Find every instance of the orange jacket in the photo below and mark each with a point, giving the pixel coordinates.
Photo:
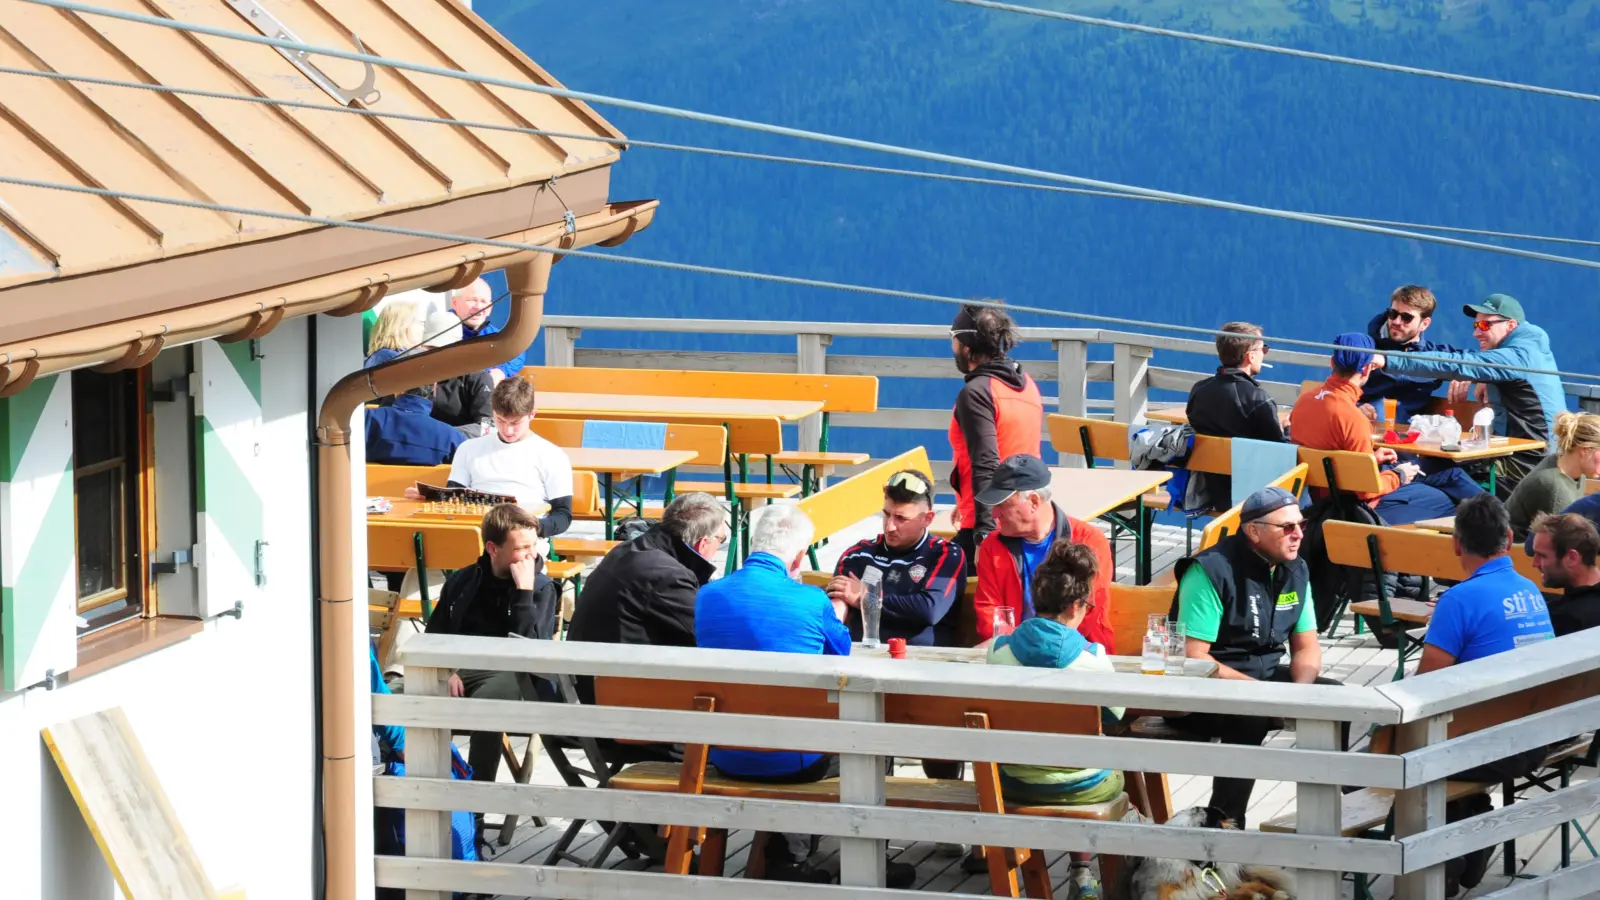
(1000, 579)
(1326, 418)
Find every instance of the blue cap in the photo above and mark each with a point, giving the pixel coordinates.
(1357, 358)
(1268, 499)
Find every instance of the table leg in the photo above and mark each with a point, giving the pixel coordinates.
(672, 481)
(611, 525)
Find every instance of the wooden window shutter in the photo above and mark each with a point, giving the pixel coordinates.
(230, 475)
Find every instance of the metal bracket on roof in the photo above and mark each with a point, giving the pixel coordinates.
(571, 220)
(268, 24)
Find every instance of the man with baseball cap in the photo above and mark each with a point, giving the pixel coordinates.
(1327, 417)
(1243, 602)
(1026, 524)
(1525, 404)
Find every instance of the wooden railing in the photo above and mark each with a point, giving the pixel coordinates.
(1422, 707)
(1132, 372)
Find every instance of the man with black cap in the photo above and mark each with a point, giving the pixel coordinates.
(998, 413)
(1243, 602)
(1525, 404)
(1027, 523)
(1327, 418)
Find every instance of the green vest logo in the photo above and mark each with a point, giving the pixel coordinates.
(1289, 599)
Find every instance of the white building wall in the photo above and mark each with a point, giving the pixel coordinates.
(226, 717)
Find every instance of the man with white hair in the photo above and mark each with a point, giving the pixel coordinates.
(472, 305)
(764, 607)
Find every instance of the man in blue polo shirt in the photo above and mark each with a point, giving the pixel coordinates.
(1494, 610)
(763, 607)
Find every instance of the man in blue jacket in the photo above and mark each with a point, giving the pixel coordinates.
(405, 433)
(1525, 404)
(763, 607)
(472, 305)
(1401, 328)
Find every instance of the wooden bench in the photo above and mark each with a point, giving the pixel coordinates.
(847, 502)
(1367, 812)
(985, 794)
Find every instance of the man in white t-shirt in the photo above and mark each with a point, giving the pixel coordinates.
(513, 460)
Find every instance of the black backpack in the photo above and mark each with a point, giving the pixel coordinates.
(1335, 586)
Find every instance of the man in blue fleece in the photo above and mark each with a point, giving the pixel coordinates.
(1062, 585)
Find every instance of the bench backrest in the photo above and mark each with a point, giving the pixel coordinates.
(747, 434)
(709, 442)
(844, 503)
(1110, 441)
(838, 393)
(1411, 551)
(1356, 472)
(1509, 708)
(813, 703)
(1131, 609)
(391, 544)
(392, 481)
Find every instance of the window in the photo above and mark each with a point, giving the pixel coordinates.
(111, 477)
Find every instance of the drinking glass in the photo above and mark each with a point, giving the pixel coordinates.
(1157, 624)
(1005, 620)
(1177, 647)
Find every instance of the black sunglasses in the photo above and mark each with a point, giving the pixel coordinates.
(1406, 317)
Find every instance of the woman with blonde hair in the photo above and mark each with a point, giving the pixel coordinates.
(1554, 483)
(399, 329)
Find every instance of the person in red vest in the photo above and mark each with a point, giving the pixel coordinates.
(998, 414)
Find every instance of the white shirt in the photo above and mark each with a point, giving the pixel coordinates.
(533, 470)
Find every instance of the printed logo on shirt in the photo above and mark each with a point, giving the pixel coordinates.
(1288, 599)
(917, 572)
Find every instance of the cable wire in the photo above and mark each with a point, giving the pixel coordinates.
(718, 152)
(802, 134)
(792, 280)
(1281, 51)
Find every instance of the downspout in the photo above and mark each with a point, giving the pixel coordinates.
(528, 282)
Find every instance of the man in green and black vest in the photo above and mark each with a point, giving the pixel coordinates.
(1243, 603)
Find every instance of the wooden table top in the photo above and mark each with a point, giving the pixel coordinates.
(1498, 447)
(709, 409)
(1084, 493)
(606, 461)
(1178, 414)
(1125, 665)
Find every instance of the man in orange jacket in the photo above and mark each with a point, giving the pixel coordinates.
(1026, 525)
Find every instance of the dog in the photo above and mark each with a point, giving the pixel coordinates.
(1182, 879)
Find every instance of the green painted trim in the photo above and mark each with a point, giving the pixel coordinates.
(239, 515)
(238, 353)
(19, 417)
(25, 606)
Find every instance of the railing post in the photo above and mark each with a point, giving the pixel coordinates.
(860, 782)
(561, 346)
(1317, 808)
(1132, 383)
(1420, 809)
(427, 756)
(1072, 384)
(811, 355)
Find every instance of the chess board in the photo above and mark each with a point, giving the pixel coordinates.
(451, 511)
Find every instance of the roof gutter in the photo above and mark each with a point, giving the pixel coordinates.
(528, 279)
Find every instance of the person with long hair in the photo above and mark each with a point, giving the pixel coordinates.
(399, 329)
(1556, 483)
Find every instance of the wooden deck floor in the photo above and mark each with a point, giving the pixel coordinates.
(1353, 659)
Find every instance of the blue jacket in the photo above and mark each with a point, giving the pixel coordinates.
(1525, 405)
(512, 366)
(1411, 394)
(760, 607)
(405, 433)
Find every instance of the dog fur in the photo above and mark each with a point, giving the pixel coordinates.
(1181, 879)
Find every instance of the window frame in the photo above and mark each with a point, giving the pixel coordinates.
(137, 463)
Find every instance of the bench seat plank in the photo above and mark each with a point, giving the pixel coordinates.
(1404, 610)
(810, 458)
(750, 491)
(919, 793)
(578, 548)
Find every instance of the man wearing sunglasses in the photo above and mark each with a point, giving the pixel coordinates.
(1243, 603)
(1401, 328)
(1525, 404)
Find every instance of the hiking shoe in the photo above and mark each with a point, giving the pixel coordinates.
(975, 864)
(1084, 885)
(803, 872)
(1476, 867)
(899, 875)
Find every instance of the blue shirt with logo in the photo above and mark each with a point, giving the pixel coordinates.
(1033, 554)
(1491, 612)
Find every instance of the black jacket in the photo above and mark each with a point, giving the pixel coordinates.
(1575, 610)
(1411, 394)
(1231, 404)
(643, 592)
(464, 401)
(475, 602)
(1260, 604)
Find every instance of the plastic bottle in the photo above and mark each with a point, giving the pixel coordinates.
(1449, 431)
(871, 606)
